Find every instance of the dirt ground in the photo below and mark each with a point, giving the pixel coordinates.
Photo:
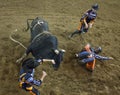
(63, 18)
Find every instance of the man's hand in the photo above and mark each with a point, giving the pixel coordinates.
(90, 56)
(86, 25)
(44, 73)
(90, 25)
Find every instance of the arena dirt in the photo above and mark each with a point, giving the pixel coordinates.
(63, 18)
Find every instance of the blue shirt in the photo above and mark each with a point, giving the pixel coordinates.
(100, 57)
(33, 81)
(29, 77)
(89, 15)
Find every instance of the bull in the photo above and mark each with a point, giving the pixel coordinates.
(44, 45)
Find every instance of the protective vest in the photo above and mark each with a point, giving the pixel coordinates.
(91, 15)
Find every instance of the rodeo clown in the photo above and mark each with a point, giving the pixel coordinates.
(87, 20)
(89, 55)
(26, 79)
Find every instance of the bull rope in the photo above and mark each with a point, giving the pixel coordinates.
(11, 38)
(45, 32)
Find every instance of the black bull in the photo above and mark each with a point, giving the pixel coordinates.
(43, 43)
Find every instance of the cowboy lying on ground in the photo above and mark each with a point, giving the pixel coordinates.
(88, 55)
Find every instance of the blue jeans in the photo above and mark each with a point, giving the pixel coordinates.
(83, 54)
(86, 60)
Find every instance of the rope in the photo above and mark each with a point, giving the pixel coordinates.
(11, 38)
(44, 32)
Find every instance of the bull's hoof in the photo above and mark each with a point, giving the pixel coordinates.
(69, 37)
(56, 69)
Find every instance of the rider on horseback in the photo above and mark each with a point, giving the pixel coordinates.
(87, 20)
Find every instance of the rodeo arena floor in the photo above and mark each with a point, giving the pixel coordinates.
(63, 17)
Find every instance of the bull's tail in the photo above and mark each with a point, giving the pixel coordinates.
(28, 25)
(11, 38)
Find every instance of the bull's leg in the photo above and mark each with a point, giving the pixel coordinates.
(58, 59)
(22, 58)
